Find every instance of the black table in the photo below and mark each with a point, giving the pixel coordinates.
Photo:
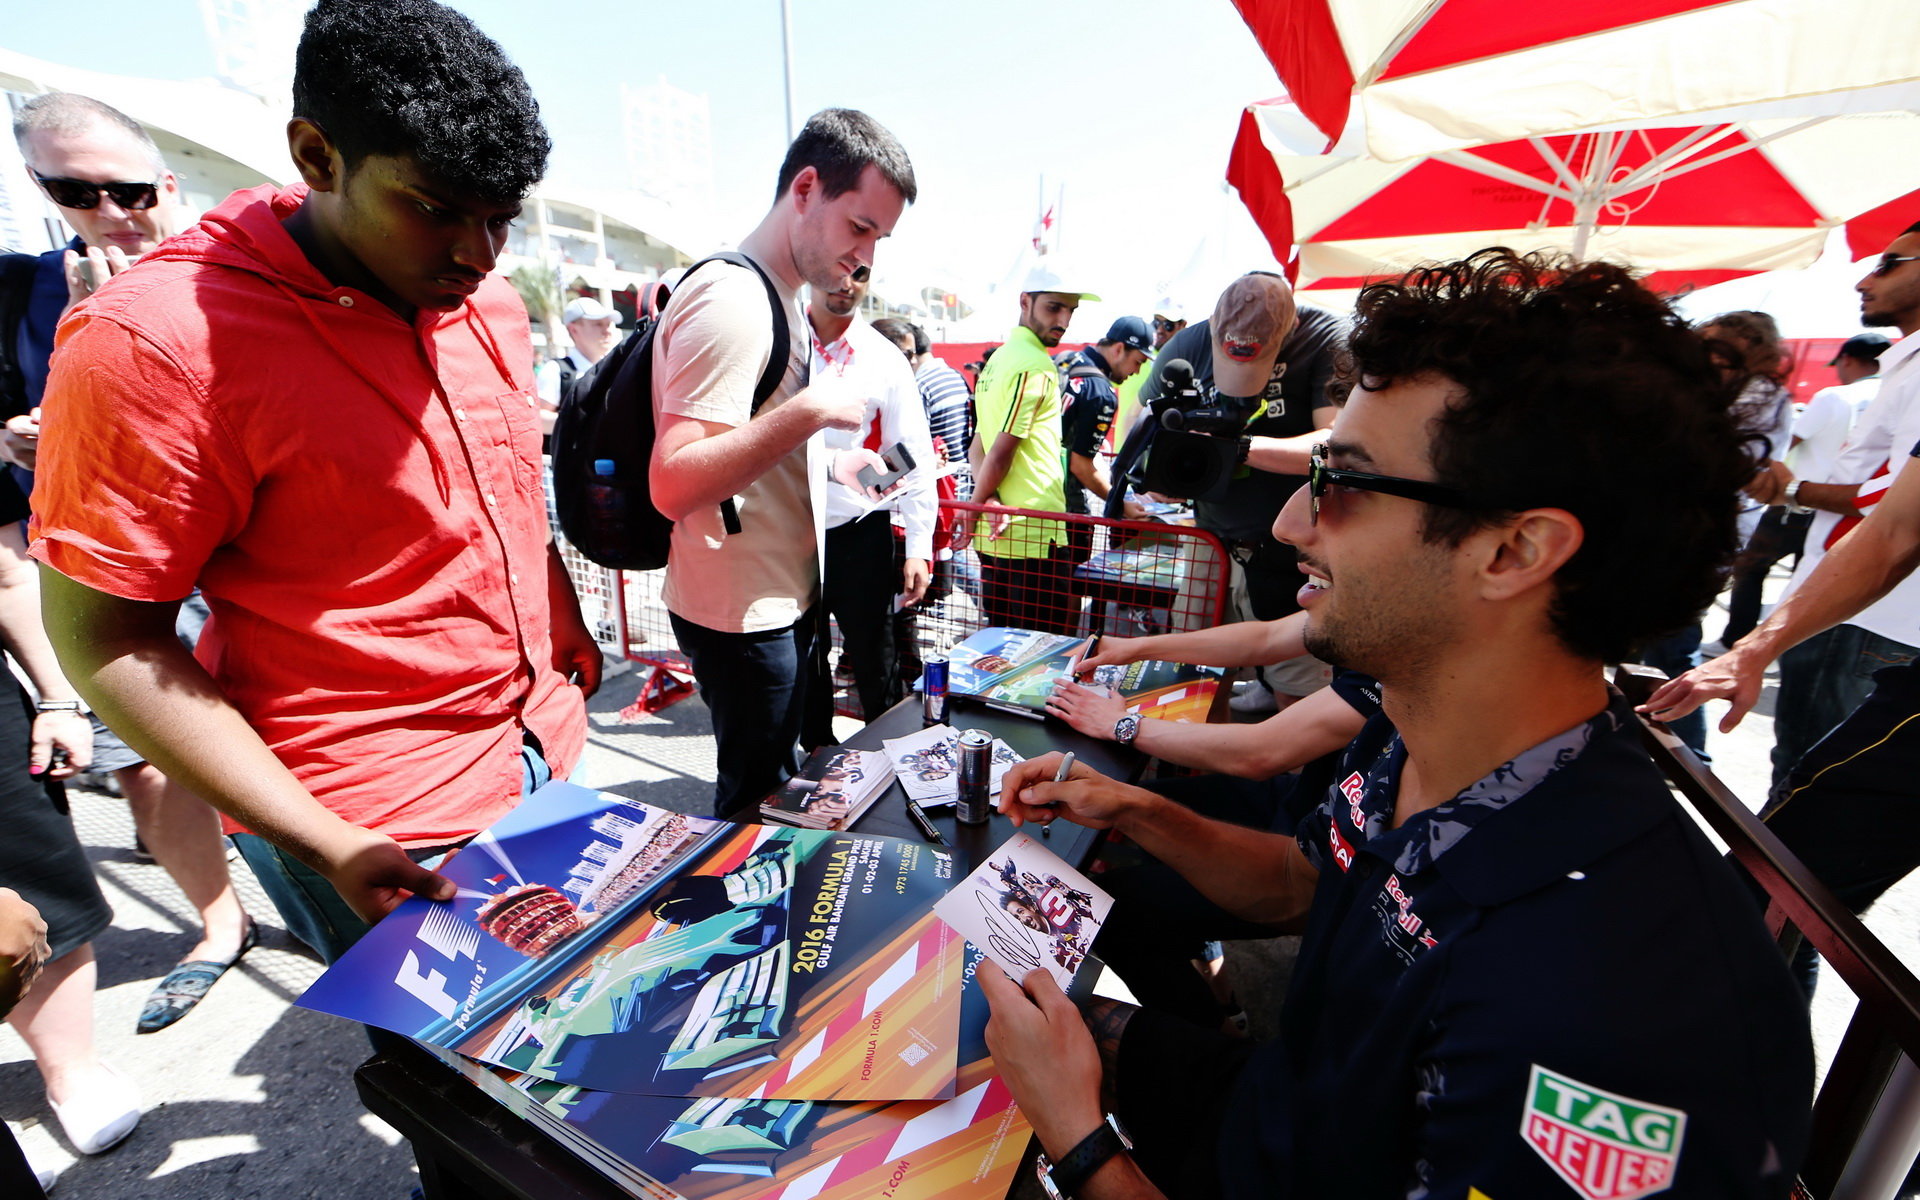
(1029, 738)
(468, 1145)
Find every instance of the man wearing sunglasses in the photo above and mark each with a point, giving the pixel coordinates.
(1524, 970)
(1848, 625)
(104, 173)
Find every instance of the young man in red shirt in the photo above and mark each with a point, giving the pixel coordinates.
(318, 405)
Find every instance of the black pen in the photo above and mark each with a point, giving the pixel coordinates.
(919, 817)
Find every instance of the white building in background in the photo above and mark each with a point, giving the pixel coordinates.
(669, 144)
(253, 43)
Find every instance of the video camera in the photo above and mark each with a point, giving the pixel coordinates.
(1195, 449)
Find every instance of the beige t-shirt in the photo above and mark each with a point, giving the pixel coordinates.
(713, 343)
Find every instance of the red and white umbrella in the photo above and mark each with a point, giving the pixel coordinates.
(1691, 204)
(1433, 75)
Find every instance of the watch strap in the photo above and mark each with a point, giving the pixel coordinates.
(1077, 1165)
(47, 706)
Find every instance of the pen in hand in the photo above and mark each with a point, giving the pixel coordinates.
(1059, 776)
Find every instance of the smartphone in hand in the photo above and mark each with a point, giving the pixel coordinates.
(899, 461)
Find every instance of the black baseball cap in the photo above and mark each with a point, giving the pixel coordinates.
(1133, 332)
(1863, 346)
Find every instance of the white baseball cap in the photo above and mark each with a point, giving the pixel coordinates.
(586, 308)
(1049, 275)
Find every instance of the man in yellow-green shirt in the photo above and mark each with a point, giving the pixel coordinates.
(1017, 463)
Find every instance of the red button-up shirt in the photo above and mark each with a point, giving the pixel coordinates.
(357, 496)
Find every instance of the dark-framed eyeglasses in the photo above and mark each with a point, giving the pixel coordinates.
(1320, 477)
(85, 194)
(1889, 261)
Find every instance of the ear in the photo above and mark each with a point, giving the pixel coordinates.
(320, 165)
(1528, 551)
(805, 188)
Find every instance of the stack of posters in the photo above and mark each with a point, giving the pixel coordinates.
(964, 1148)
(927, 764)
(835, 787)
(1014, 670)
(710, 1011)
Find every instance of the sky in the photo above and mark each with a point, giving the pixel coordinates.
(1128, 106)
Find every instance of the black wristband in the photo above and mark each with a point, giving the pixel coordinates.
(1077, 1166)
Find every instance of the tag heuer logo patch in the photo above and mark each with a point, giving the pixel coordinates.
(1606, 1146)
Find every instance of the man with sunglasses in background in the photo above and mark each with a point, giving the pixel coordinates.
(103, 172)
(1849, 623)
(1525, 971)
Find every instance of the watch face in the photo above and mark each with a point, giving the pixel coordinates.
(1125, 728)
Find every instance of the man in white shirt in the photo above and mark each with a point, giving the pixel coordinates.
(1846, 807)
(1828, 676)
(594, 329)
(859, 581)
(1820, 431)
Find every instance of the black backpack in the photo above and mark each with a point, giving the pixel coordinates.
(16, 286)
(603, 444)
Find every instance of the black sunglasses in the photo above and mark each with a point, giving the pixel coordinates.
(84, 194)
(1320, 477)
(1889, 261)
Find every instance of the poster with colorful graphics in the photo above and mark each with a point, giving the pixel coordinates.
(964, 1148)
(603, 943)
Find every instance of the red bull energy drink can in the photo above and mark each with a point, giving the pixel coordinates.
(975, 755)
(933, 691)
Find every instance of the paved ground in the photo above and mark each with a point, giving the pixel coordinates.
(251, 1097)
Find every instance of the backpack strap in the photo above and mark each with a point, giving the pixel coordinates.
(16, 286)
(776, 367)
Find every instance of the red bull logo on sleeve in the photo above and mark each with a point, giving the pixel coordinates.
(1354, 788)
(1606, 1146)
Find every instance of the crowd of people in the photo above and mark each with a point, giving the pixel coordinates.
(281, 472)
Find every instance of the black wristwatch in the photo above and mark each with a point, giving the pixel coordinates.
(1126, 729)
(1065, 1179)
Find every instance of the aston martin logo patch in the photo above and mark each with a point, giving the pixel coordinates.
(1605, 1145)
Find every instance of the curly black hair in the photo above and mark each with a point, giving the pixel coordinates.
(415, 78)
(840, 144)
(1584, 391)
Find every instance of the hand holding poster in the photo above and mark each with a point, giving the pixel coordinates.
(1026, 908)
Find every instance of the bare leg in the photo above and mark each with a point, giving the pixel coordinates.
(183, 833)
(55, 1019)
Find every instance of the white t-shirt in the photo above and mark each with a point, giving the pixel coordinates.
(1824, 424)
(875, 368)
(712, 345)
(546, 378)
(1884, 434)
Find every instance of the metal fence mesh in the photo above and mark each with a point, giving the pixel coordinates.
(1056, 571)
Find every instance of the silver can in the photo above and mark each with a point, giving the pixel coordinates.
(975, 754)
